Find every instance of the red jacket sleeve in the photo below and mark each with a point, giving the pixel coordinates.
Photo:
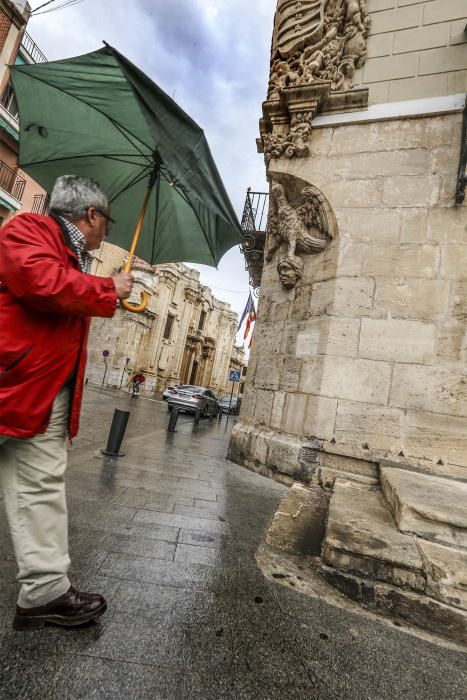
(36, 270)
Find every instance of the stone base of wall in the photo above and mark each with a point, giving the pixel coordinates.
(290, 459)
(397, 547)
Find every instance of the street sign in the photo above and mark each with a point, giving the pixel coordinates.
(234, 375)
(106, 353)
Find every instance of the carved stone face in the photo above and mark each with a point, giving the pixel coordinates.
(290, 271)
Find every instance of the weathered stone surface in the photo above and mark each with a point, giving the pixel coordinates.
(441, 390)
(263, 406)
(278, 409)
(409, 191)
(451, 338)
(361, 225)
(397, 340)
(422, 611)
(294, 413)
(299, 523)
(421, 299)
(283, 454)
(356, 423)
(414, 225)
(347, 467)
(328, 336)
(401, 261)
(445, 569)
(240, 441)
(454, 262)
(436, 437)
(320, 417)
(345, 378)
(268, 373)
(290, 375)
(431, 507)
(459, 300)
(361, 538)
(448, 225)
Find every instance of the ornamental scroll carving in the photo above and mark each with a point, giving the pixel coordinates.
(317, 46)
(300, 222)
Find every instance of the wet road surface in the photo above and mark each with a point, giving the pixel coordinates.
(168, 534)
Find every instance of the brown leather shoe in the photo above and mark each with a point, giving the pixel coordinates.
(71, 609)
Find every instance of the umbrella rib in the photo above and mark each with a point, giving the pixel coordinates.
(112, 121)
(75, 157)
(185, 197)
(132, 183)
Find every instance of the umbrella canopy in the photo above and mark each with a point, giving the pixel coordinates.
(99, 116)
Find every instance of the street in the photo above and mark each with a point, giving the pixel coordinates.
(168, 533)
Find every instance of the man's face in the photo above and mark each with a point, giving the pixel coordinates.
(95, 227)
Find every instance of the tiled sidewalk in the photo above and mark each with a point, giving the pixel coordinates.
(168, 534)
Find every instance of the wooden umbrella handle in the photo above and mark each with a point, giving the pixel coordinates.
(137, 308)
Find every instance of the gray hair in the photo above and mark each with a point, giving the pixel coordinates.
(72, 196)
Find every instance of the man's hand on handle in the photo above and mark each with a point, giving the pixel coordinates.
(123, 284)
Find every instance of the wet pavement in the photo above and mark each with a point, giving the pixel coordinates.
(168, 534)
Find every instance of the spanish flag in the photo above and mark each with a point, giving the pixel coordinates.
(251, 318)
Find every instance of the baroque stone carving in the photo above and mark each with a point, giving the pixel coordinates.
(326, 44)
(295, 143)
(317, 46)
(303, 222)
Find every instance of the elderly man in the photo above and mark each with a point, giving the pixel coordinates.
(46, 300)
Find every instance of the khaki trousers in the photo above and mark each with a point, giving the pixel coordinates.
(32, 475)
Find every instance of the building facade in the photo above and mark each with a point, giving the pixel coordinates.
(357, 373)
(18, 192)
(185, 336)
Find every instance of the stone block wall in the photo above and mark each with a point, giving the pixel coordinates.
(366, 357)
(416, 49)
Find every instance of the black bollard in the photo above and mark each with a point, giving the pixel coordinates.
(173, 419)
(197, 416)
(117, 432)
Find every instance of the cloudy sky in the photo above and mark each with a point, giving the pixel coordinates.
(211, 56)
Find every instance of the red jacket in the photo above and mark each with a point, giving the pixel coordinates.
(45, 305)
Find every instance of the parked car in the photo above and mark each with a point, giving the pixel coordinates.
(224, 405)
(168, 391)
(191, 398)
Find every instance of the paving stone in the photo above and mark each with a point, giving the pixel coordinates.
(429, 506)
(181, 575)
(195, 554)
(139, 546)
(361, 537)
(181, 521)
(177, 629)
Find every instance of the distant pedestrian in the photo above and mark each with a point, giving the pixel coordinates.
(46, 301)
(138, 379)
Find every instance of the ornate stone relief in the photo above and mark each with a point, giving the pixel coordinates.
(317, 46)
(301, 221)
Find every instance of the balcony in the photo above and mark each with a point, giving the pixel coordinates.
(40, 204)
(254, 224)
(11, 184)
(32, 49)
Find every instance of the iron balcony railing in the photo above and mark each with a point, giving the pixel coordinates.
(254, 224)
(11, 182)
(40, 204)
(255, 212)
(32, 49)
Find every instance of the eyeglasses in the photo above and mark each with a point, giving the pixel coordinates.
(108, 218)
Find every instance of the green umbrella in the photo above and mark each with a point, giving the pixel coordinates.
(98, 115)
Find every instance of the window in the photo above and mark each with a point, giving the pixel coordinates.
(202, 320)
(9, 100)
(168, 327)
